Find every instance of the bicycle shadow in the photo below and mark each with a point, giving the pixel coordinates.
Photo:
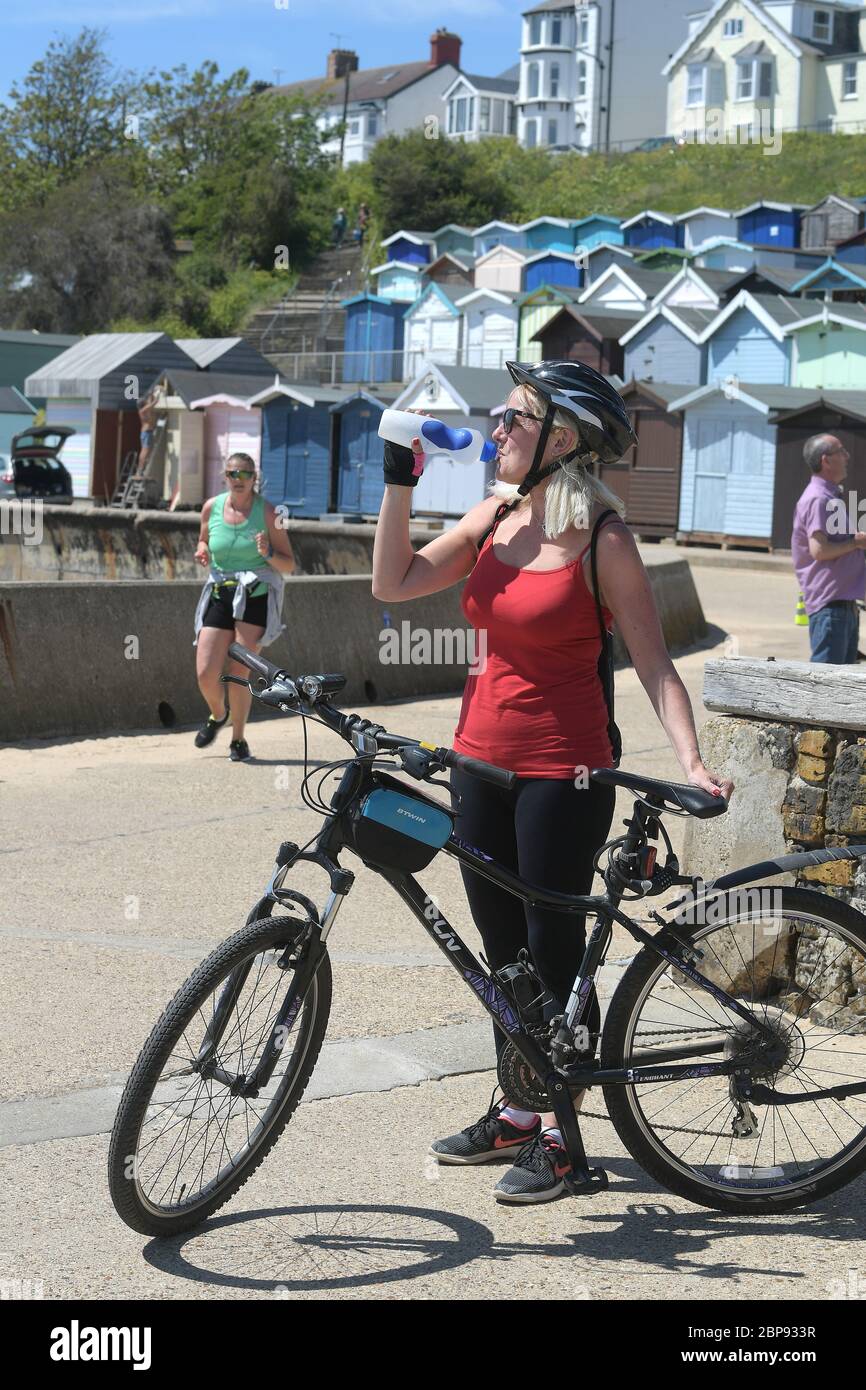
(319, 1247)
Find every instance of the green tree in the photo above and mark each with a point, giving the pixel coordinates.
(425, 183)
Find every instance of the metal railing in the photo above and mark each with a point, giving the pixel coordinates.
(369, 366)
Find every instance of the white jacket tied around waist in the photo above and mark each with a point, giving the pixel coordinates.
(247, 579)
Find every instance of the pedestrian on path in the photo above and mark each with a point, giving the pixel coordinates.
(539, 704)
(363, 221)
(147, 419)
(828, 555)
(248, 556)
(339, 227)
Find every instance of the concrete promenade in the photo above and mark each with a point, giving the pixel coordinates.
(126, 859)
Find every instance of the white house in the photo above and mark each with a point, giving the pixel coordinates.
(490, 330)
(479, 107)
(589, 71)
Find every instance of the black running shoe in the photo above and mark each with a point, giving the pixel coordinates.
(538, 1174)
(490, 1138)
(239, 750)
(209, 730)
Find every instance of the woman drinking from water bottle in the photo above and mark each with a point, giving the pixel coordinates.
(248, 555)
(538, 705)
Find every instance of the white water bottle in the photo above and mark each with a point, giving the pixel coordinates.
(461, 445)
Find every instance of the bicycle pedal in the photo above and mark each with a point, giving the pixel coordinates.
(584, 1182)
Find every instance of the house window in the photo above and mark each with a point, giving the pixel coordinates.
(499, 117)
(765, 81)
(535, 29)
(512, 118)
(733, 28)
(459, 107)
(553, 132)
(745, 81)
(695, 87)
(556, 30)
(531, 134)
(484, 116)
(355, 126)
(582, 30)
(372, 126)
(849, 80)
(822, 26)
(533, 80)
(581, 79)
(554, 80)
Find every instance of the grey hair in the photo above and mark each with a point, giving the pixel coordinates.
(573, 490)
(815, 448)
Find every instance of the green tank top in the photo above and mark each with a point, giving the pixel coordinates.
(233, 548)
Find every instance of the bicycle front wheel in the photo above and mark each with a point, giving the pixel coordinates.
(797, 960)
(185, 1138)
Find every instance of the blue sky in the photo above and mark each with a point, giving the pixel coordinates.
(293, 36)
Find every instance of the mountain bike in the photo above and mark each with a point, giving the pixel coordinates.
(732, 1058)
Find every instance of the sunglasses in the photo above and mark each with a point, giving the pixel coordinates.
(509, 415)
(241, 473)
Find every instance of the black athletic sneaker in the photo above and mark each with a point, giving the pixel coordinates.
(239, 750)
(538, 1173)
(209, 730)
(488, 1139)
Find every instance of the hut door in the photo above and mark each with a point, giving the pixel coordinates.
(353, 457)
(297, 453)
(711, 475)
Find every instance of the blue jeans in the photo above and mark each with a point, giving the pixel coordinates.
(834, 634)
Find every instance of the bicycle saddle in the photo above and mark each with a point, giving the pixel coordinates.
(698, 803)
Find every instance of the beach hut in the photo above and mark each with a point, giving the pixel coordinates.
(552, 268)
(551, 234)
(399, 280)
(16, 414)
(670, 258)
(500, 268)
(231, 425)
(232, 355)
(668, 342)
(599, 258)
(23, 353)
(358, 450)
(452, 271)
(830, 221)
(701, 224)
(498, 233)
(454, 240)
(597, 230)
(768, 224)
(296, 446)
(625, 287)
(374, 338)
(417, 248)
(840, 413)
(203, 417)
(729, 461)
(536, 309)
(647, 479)
(748, 340)
(490, 328)
(433, 329)
(833, 280)
(830, 348)
(725, 253)
(649, 229)
(698, 289)
(463, 397)
(591, 336)
(94, 386)
(852, 251)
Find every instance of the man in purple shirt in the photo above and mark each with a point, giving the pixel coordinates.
(828, 556)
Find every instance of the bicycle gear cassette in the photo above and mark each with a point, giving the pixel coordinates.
(519, 1083)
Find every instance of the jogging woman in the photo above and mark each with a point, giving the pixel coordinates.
(248, 555)
(538, 706)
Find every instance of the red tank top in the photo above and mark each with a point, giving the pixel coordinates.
(536, 704)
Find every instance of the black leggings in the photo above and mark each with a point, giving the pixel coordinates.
(548, 831)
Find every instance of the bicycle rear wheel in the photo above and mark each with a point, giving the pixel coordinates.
(800, 965)
(183, 1143)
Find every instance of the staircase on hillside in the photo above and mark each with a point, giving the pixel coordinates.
(308, 322)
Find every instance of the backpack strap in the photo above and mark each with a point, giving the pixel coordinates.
(605, 660)
(501, 511)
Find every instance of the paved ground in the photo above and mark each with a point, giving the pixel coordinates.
(128, 858)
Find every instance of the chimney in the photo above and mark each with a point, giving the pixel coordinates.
(445, 48)
(341, 61)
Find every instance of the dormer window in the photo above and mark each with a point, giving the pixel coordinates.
(822, 25)
(733, 28)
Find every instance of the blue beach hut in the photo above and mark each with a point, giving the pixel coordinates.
(374, 338)
(296, 446)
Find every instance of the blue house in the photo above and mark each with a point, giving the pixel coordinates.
(374, 338)
(852, 251)
(552, 268)
(358, 449)
(649, 230)
(401, 280)
(668, 344)
(415, 247)
(831, 279)
(751, 339)
(454, 240)
(770, 224)
(592, 231)
(729, 460)
(551, 234)
(296, 446)
(498, 234)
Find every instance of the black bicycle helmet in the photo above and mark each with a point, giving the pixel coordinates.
(599, 412)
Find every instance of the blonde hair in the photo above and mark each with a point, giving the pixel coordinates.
(572, 491)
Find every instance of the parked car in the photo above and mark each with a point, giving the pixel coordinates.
(36, 467)
(7, 477)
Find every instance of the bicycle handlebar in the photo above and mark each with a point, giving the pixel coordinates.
(310, 690)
